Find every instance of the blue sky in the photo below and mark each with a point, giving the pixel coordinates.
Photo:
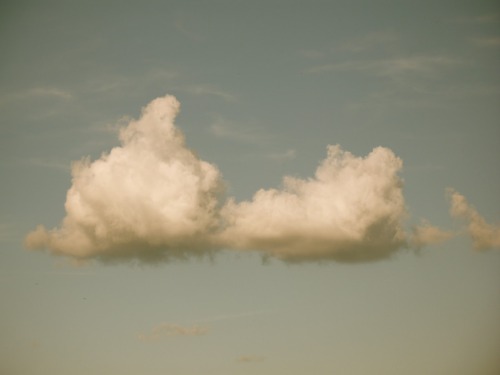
(184, 250)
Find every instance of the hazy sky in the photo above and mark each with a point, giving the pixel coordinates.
(230, 187)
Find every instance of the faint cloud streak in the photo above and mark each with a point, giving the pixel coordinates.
(491, 42)
(283, 156)
(250, 359)
(390, 67)
(222, 128)
(165, 330)
(209, 90)
(369, 41)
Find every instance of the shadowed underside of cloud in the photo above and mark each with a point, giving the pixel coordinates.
(153, 199)
(484, 235)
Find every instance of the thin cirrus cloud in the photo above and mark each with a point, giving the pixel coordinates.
(250, 359)
(152, 199)
(52, 93)
(222, 128)
(390, 67)
(165, 330)
(210, 90)
(485, 41)
(369, 41)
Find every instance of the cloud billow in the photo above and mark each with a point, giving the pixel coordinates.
(152, 199)
(149, 199)
(352, 210)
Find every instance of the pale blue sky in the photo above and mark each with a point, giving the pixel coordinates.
(264, 87)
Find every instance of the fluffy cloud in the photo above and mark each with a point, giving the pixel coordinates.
(168, 330)
(352, 210)
(150, 198)
(484, 235)
(153, 199)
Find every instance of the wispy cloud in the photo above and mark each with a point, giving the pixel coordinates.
(240, 315)
(478, 19)
(250, 359)
(311, 53)
(426, 234)
(50, 92)
(390, 67)
(486, 41)
(210, 90)
(283, 156)
(165, 330)
(37, 92)
(114, 83)
(484, 235)
(223, 128)
(361, 43)
(52, 164)
(369, 41)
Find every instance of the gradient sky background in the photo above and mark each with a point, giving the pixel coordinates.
(264, 88)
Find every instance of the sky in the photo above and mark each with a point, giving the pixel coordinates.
(233, 187)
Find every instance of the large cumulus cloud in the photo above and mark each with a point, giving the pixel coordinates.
(352, 210)
(149, 198)
(153, 199)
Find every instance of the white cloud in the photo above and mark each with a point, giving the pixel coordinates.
(150, 198)
(426, 234)
(352, 210)
(165, 330)
(483, 234)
